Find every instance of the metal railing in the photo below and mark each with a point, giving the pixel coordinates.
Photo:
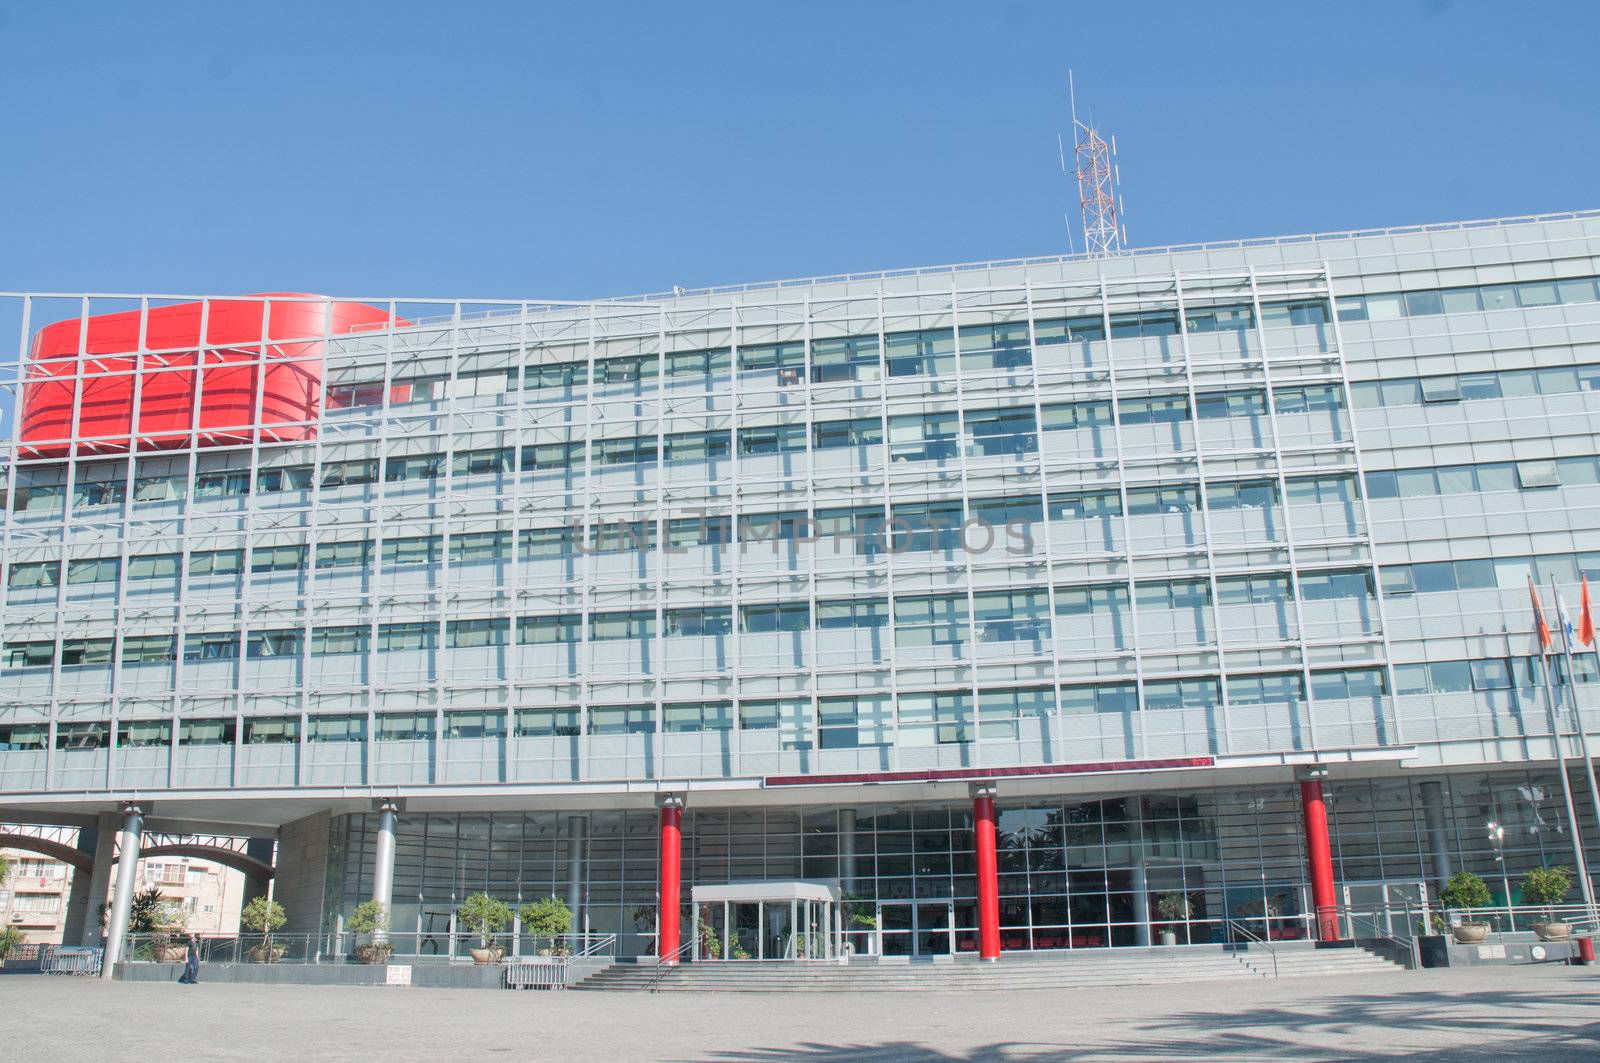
(1521, 918)
(341, 948)
(1251, 937)
(71, 959)
(665, 965)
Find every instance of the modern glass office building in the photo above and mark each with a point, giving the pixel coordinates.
(1009, 598)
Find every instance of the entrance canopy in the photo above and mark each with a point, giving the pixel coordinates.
(751, 892)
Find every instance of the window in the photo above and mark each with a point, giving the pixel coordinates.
(1231, 404)
(607, 537)
(698, 446)
(480, 546)
(290, 478)
(407, 636)
(1219, 319)
(1000, 710)
(788, 359)
(544, 543)
(639, 624)
(1012, 616)
(923, 437)
(470, 634)
(92, 570)
(205, 733)
(1348, 683)
(555, 375)
(153, 566)
(403, 726)
(30, 654)
(77, 653)
(698, 623)
(1069, 416)
(23, 737)
(212, 646)
(925, 526)
(543, 630)
(547, 723)
(697, 716)
(1001, 432)
(851, 722)
(412, 550)
(1176, 594)
(83, 735)
(1252, 590)
(34, 574)
(160, 488)
(334, 641)
(1323, 398)
(1250, 494)
(764, 619)
(632, 450)
(483, 462)
(859, 432)
(277, 558)
(1174, 498)
(930, 352)
(485, 723)
(223, 484)
(1085, 506)
(634, 369)
(1322, 586)
(772, 439)
(1104, 697)
(1265, 689)
(1182, 694)
(862, 613)
(349, 473)
(936, 620)
(1321, 490)
(415, 467)
(845, 358)
(1069, 330)
(271, 730)
(772, 527)
(935, 719)
(1154, 409)
(216, 563)
(998, 346)
(622, 719)
(791, 718)
(686, 532)
(1107, 600)
(552, 456)
(149, 649)
(353, 554)
(336, 729)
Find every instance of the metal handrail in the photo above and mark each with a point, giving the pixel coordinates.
(604, 944)
(1370, 917)
(667, 964)
(1258, 939)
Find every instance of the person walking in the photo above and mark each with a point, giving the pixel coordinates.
(191, 962)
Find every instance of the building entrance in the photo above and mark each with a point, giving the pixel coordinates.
(920, 928)
(1393, 908)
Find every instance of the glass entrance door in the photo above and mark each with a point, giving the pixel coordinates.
(1393, 908)
(916, 928)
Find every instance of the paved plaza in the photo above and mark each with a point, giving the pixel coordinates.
(1545, 1014)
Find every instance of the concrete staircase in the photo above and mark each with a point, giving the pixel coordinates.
(1065, 970)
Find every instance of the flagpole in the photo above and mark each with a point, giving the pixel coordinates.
(1572, 702)
(1581, 865)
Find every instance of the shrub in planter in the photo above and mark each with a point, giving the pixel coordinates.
(547, 919)
(484, 915)
(370, 917)
(10, 940)
(1547, 886)
(1174, 906)
(1466, 890)
(263, 916)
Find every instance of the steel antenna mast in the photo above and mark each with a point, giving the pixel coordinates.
(1099, 193)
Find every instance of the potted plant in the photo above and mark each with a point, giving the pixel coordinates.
(263, 916)
(10, 940)
(485, 915)
(710, 943)
(549, 918)
(1173, 906)
(1466, 890)
(371, 917)
(1547, 886)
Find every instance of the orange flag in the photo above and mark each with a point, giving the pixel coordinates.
(1585, 617)
(1541, 627)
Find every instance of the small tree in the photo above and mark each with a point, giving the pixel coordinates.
(5, 869)
(10, 940)
(263, 916)
(484, 915)
(1465, 890)
(1547, 886)
(1173, 906)
(546, 918)
(368, 918)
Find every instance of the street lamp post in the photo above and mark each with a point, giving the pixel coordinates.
(1497, 838)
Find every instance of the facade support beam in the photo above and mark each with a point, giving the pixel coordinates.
(1319, 855)
(388, 811)
(670, 878)
(577, 841)
(1432, 794)
(127, 879)
(988, 871)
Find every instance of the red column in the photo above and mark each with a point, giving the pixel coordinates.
(988, 872)
(1319, 857)
(667, 942)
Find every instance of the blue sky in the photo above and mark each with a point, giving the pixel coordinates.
(523, 150)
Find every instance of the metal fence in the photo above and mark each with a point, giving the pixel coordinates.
(341, 948)
(70, 959)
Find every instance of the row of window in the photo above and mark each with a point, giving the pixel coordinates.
(1391, 306)
(920, 620)
(933, 436)
(1484, 477)
(979, 523)
(1491, 673)
(836, 722)
(1496, 573)
(926, 352)
(1468, 387)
